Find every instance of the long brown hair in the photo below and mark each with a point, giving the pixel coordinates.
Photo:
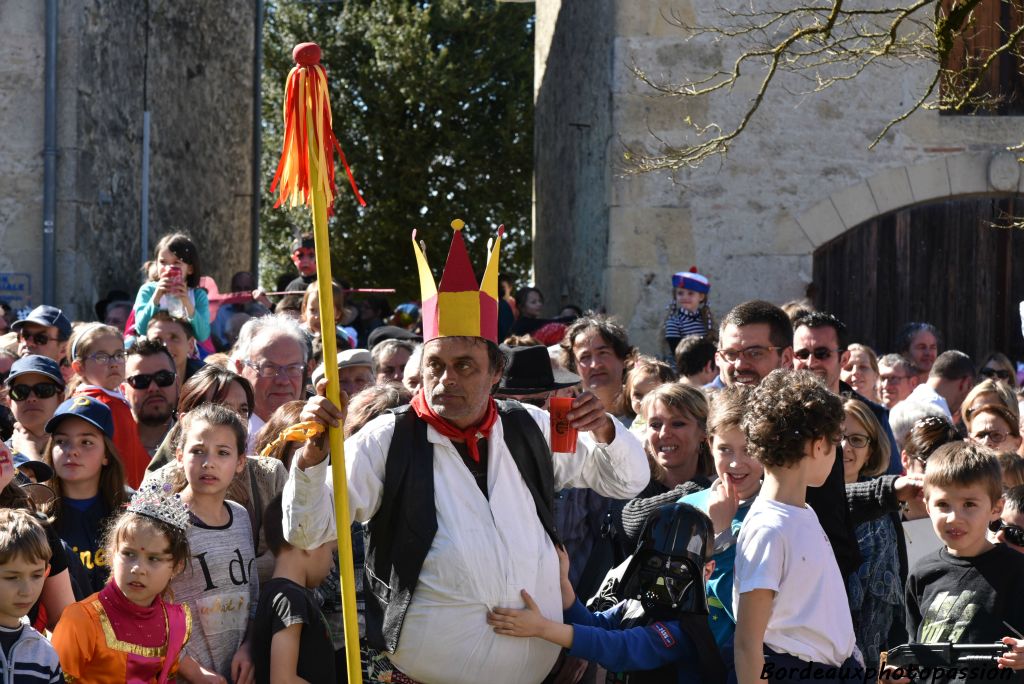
(209, 384)
(111, 480)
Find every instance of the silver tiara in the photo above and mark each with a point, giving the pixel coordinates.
(156, 501)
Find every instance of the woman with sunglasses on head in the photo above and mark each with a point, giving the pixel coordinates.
(927, 435)
(36, 388)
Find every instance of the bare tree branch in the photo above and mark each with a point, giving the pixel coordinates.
(823, 43)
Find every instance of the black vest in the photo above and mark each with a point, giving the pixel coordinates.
(400, 534)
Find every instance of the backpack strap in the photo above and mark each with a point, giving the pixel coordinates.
(532, 455)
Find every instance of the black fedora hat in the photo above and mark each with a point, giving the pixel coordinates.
(529, 371)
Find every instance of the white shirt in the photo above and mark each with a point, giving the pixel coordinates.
(255, 425)
(926, 394)
(485, 551)
(784, 549)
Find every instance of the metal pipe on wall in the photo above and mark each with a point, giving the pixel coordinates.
(257, 135)
(50, 155)
(144, 210)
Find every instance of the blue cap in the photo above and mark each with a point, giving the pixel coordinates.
(34, 363)
(47, 316)
(42, 471)
(88, 409)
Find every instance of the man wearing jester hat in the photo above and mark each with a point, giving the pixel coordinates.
(456, 491)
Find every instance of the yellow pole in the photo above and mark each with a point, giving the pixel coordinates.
(306, 174)
(336, 436)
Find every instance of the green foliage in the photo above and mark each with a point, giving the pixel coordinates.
(433, 106)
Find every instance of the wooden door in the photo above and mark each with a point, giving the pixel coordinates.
(949, 263)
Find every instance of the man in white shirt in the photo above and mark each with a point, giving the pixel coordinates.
(949, 381)
(490, 538)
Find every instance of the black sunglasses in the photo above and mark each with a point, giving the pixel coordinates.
(995, 373)
(43, 390)
(820, 353)
(1012, 533)
(142, 381)
(39, 338)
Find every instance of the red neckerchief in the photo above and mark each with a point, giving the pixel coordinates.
(470, 435)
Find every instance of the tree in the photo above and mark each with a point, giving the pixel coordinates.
(975, 45)
(433, 106)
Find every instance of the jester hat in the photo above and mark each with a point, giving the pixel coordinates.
(458, 307)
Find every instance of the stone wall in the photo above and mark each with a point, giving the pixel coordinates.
(190, 64)
(751, 221)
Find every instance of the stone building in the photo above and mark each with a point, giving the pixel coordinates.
(799, 207)
(190, 64)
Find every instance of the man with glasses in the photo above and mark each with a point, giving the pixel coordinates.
(755, 338)
(44, 332)
(36, 388)
(151, 388)
(820, 346)
(897, 378)
(272, 354)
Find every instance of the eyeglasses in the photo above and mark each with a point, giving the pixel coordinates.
(993, 437)
(103, 358)
(43, 390)
(1011, 533)
(857, 440)
(164, 378)
(39, 338)
(749, 354)
(995, 373)
(892, 379)
(820, 353)
(272, 370)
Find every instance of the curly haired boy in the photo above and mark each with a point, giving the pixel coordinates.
(793, 619)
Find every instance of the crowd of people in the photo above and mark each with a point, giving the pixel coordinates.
(761, 498)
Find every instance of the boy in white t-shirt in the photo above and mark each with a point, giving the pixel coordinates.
(792, 616)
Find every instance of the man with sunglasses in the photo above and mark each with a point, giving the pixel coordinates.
(45, 332)
(36, 388)
(1009, 529)
(151, 388)
(820, 346)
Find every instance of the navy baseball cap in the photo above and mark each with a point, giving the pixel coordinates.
(88, 409)
(34, 363)
(47, 316)
(42, 471)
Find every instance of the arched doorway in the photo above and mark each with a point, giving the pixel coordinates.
(950, 263)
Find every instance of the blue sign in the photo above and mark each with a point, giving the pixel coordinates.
(16, 289)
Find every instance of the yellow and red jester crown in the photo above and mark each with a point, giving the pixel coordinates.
(459, 308)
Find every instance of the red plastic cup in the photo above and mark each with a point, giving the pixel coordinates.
(563, 435)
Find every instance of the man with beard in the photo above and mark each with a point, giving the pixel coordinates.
(151, 388)
(457, 493)
(820, 346)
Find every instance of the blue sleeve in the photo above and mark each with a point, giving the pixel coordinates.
(579, 615)
(895, 463)
(201, 316)
(144, 307)
(636, 648)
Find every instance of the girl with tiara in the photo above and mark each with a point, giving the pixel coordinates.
(128, 632)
